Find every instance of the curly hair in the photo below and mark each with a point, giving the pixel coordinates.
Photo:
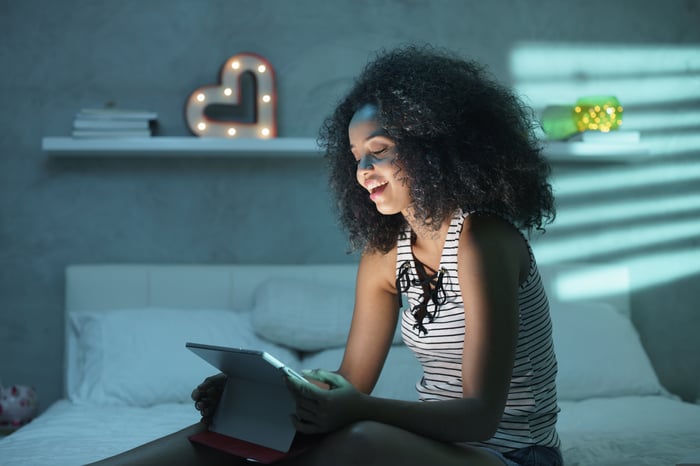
(463, 141)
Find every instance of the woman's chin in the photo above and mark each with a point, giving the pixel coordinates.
(386, 210)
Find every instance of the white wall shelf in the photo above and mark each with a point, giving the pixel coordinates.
(190, 146)
(577, 151)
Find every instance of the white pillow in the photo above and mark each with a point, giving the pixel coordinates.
(599, 353)
(137, 357)
(304, 315)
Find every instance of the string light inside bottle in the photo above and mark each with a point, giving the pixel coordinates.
(598, 113)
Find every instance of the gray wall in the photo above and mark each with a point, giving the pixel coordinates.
(59, 56)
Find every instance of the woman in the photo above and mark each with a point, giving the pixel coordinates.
(436, 171)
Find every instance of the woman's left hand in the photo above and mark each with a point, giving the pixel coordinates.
(320, 410)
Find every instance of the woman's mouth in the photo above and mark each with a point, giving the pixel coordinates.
(377, 190)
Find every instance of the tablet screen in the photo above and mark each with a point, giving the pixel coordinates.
(244, 363)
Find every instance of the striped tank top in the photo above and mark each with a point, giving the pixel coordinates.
(531, 409)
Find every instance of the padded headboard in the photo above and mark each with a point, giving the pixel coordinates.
(100, 287)
(111, 286)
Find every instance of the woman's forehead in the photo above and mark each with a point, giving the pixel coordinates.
(365, 113)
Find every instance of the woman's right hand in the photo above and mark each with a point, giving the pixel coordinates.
(207, 394)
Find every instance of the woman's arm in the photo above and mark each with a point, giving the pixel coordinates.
(373, 322)
(493, 260)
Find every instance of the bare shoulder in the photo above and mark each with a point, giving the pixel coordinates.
(378, 270)
(494, 238)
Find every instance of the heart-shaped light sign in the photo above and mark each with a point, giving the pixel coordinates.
(230, 94)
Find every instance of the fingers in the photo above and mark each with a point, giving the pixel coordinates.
(302, 426)
(210, 396)
(306, 413)
(208, 386)
(316, 408)
(206, 409)
(304, 405)
(307, 421)
(309, 406)
(328, 377)
(197, 392)
(213, 383)
(305, 426)
(302, 391)
(207, 394)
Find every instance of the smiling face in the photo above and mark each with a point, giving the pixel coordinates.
(377, 168)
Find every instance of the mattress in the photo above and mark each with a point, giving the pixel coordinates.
(629, 431)
(69, 434)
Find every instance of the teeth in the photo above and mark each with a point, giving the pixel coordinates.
(373, 187)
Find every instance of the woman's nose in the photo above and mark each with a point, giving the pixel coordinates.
(365, 162)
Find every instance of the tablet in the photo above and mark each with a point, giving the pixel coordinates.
(256, 404)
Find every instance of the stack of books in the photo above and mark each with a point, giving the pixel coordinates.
(114, 123)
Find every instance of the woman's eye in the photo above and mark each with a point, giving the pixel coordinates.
(374, 155)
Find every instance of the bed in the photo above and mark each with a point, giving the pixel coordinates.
(128, 375)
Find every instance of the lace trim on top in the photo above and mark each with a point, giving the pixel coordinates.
(433, 295)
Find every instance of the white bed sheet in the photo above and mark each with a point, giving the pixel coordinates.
(629, 431)
(69, 434)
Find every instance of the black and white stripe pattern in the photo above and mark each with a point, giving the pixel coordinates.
(531, 410)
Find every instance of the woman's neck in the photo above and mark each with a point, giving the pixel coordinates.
(428, 241)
